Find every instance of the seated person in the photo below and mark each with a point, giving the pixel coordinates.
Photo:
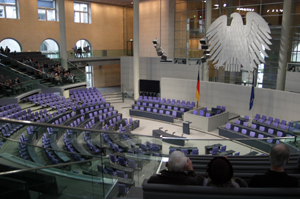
(220, 174)
(176, 174)
(58, 79)
(276, 176)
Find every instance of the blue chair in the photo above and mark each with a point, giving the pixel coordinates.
(122, 161)
(101, 169)
(123, 189)
(222, 149)
(262, 128)
(244, 131)
(214, 151)
(271, 131)
(195, 152)
(201, 113)
(171, 151)
(237, 153)
(252, 134)
(238, 121)
(121, 174)
(174, 114)
(228, 126)
(132, 164)
(185, 151)
(113, 159)
(110, 171)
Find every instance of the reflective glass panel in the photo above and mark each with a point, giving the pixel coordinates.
(42, 14)
(11, 12)
(51, 15)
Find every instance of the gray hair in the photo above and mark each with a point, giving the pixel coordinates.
(279, 154)
(177, 160)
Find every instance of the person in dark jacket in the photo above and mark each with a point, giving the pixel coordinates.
(276, 176)
(220, 174)
(176, 173)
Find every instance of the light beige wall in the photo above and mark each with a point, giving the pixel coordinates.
(107, 75)
(156, 21)
(105, 32)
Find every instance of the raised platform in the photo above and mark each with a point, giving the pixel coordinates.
(18, 98)
(63, 90)
(206, 123)
(151, 115)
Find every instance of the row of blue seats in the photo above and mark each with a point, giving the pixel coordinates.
(83, 90)
(281, 126)
(263, 118)
(174, 113)
(162, 106)
(166, 101)
(247, 131)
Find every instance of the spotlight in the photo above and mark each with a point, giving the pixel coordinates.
(207, 51)
(164, 58)
(160, 52)
(203, 41)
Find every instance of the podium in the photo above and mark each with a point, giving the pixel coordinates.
(186, 127)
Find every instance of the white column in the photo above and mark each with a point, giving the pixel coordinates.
(208, 7)
(284, 44)
(136, 67)
(62, 32)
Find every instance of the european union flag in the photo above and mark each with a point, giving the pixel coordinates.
(252, 94)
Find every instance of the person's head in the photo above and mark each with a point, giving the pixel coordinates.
(220, 170)
(279, 155)
(177, 160)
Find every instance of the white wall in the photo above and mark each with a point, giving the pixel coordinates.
(178, 81)
(292, 81)
(151, 68)
(279, 104)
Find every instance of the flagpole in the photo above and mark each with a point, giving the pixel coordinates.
(199, 81)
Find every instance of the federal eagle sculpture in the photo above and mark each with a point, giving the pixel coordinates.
(239, 46)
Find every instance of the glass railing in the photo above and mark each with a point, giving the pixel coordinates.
(52, 55)
(99, 53)
(18, 89)
(55, 159)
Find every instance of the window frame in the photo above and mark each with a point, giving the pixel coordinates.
(46, 11)
(16, 5)
(88, 12)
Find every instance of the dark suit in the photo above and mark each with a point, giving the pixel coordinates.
(177, 178)
(273, 179)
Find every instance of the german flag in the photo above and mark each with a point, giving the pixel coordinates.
(198, 88)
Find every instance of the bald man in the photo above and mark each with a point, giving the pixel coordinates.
(276, 176)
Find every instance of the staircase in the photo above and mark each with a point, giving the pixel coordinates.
(114, 97)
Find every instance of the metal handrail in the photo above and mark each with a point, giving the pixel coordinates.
(75, 66)
(21, 63)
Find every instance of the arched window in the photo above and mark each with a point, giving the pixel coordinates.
(49, 46)
(83, 43)
(12, 44)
